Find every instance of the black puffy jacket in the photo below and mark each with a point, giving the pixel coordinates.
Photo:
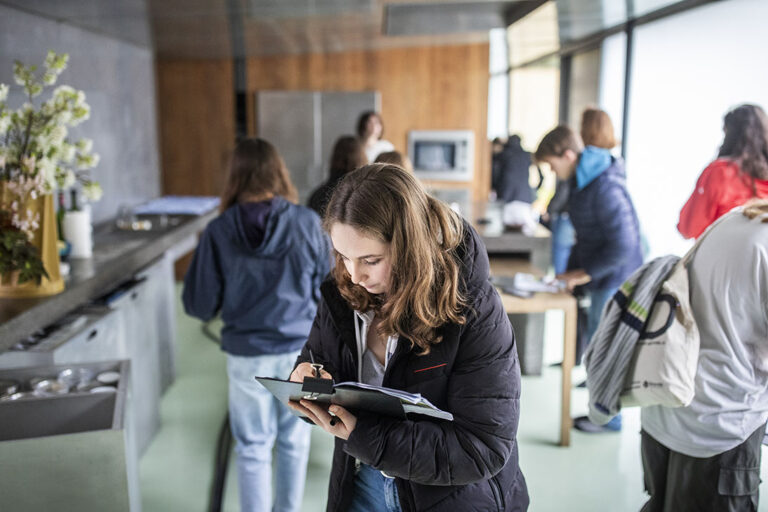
(470, 464)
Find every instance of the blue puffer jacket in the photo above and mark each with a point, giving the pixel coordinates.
(267, 295)
(607, 230)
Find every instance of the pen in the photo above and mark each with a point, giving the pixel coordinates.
(317, 368)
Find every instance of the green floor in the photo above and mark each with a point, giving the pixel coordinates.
(596, 473)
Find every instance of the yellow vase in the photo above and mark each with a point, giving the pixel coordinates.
(44, 239)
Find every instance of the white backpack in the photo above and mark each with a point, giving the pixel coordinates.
(663, 366)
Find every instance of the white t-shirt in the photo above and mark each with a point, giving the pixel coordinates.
(729, 296)
(379, 147)
(369, 369)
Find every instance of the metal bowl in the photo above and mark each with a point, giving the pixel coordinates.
(50, 387)
(8, 387)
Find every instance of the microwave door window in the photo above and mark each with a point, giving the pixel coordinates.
(435, 156)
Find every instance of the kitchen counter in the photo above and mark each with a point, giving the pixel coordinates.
(486, 218)
(117, 255)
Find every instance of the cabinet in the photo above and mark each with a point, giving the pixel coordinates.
(136, 321)
(304, 125)
(70, 452)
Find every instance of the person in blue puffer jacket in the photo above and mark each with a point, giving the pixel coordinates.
(260, 265)
(607, 249)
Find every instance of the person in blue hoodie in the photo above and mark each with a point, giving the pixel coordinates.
(260, 264)
(607, 249)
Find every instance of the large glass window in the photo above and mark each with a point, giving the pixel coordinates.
(534, 100)
(534, 36)
(688, 71)
(584, 84)
(498, 84)
(612, 69)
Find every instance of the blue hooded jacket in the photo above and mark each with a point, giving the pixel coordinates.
(267, 294)
(607, 229)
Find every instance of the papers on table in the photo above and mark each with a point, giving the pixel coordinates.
(178, 205)
(525, 285)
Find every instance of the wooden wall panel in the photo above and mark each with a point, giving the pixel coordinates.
(422, 88)
(197, 124)
(196, 116)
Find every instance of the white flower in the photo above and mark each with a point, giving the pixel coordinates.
(65, 117)
(67, 180)
(58, 135)
(68, 152)
(85, 145)
(63, 91)
(5, 123)
(92, 191)
(49, 178)
(3, 92)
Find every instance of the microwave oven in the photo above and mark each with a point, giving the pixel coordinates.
(442, 154)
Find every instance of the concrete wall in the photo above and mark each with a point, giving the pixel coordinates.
(118, 79)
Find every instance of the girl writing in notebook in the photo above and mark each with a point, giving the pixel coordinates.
(410, 306)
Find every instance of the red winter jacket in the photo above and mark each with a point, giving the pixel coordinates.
(721, 187)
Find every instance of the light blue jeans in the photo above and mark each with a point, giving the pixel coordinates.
(563, 238)
(374, 492)
(257, 419)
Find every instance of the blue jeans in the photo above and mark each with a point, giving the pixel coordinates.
(374, 492)
(563, 238)
(257, 418)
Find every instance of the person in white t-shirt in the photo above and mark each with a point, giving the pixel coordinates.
(370, 130)
(706, 456)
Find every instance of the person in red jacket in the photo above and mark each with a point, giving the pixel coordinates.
(739, 174)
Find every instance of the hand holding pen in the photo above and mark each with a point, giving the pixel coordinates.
(335, 419)
(308, 370)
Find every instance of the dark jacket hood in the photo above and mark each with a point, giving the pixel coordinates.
(270, 245)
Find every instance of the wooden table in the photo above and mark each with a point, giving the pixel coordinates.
(539, 303)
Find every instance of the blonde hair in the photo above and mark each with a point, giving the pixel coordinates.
(756, 208)
(388, 204)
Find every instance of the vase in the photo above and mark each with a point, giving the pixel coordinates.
(44, 239)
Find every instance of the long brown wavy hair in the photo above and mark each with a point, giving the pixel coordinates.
(386, 203)
(746, 141)
(256, 169)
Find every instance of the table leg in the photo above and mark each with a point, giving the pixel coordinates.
(569, 354)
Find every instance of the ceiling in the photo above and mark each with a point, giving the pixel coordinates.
(227, 28)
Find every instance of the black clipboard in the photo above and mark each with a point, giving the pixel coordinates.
(353, 399)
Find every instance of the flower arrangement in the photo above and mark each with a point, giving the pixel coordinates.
(36, 158)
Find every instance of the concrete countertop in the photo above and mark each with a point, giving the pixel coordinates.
(117, 255)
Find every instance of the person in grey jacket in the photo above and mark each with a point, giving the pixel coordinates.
(706, 456)
(260, 264)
